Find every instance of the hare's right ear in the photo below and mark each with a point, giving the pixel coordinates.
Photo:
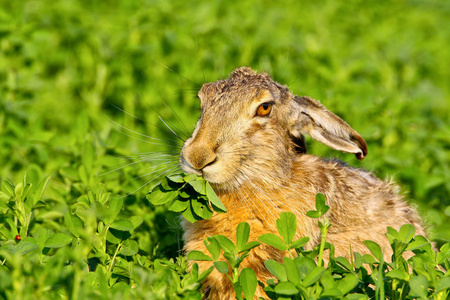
(309, 116)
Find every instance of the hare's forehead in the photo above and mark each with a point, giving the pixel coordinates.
(226, 93)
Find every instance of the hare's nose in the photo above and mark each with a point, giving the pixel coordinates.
(198, 156)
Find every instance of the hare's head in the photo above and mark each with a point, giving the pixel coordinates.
(251, 129)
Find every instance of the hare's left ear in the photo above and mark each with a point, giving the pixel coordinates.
(309, 116)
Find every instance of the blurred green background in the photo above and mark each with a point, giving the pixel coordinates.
(82, 82)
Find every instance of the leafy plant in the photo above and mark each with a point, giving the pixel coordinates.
(89, 249)
(244, 280)
(190, 195)
(81, 113)
(305, 277)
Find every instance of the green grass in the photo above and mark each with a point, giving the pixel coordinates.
(80, 81)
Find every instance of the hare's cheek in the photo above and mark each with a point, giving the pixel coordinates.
(217, 172)
(223, 171)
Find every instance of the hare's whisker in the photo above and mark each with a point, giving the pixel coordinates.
(154, 178)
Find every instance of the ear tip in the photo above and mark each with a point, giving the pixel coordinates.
(363, 153)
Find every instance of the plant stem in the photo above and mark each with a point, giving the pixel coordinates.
(111, 265)
(76, 282)
(322, 247)
(323, 233)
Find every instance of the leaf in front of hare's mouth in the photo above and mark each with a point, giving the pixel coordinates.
(189, 194)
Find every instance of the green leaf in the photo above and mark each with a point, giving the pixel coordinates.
(189, 214)
(211, 195)
(179, 205)
(248, 282)
(242, 235)
(42, 235)
(320, 201)
(198, 256)
(392, 234)
(213, 247)
(8, 188)
(286, 288)
(232, 259)
(368, 259)
(292, 272)
(344, 263)
(73, 223)
(273, 240)
(198, 185)
(287, 226)
(129, 248)
(221, 266)
(238, 290)
(332, 293)
(419, 242)
(328, 281)
(5, 232)
(299, 243)
(4, 198)
(444, 253)
(313, 214)
(115, 205)
(25, 247)
(114, 236)
(185, 193)
(58, 240)
(26, 191)
(356, 297)
(201, 209)
(276, 269)
(406, 233)
(375, 249)
(313, 276)
(159, 196)
(12, 226)
(443, 284)
(83, 174)
(122, 225)
(226, 244)
(205, 273)
(419, 286)
(348, 283)
(398, 274)
(176, 178)
(250, 245)
(136, 221)
(190, 177)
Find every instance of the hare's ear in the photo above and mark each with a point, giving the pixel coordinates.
(309, 116)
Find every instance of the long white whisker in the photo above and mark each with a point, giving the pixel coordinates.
(170, 129)
(138, 133)
(171, 170)
(173, 166)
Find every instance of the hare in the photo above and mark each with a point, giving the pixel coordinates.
(249, 145)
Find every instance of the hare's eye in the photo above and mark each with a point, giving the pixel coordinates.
(264, 109)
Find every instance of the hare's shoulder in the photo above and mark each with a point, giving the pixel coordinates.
(346, 185)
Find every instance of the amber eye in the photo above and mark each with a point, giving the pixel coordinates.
(264, 109)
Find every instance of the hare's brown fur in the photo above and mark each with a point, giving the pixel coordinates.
(254, 165)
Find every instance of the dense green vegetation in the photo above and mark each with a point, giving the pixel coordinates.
(83, 85)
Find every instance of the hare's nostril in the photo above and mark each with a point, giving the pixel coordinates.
(198, 157)
(210, 163)
(187, 167)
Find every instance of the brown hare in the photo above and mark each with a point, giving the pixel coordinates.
(249, 145)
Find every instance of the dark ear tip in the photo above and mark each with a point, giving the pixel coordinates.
(360, 156)
(362, 147)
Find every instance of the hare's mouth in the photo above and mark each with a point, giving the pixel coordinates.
(186, 167)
